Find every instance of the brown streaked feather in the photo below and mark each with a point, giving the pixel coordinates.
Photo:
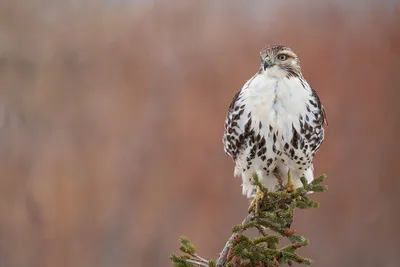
(324, 118)
(320, 106)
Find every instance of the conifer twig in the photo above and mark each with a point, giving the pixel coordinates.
(200, 258)
(272, 211)
(198, 263)
(224, 254)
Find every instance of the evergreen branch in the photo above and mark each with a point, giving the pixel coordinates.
(273, 211)
(261, 229)
(198, 263)
(223, 255)
(200, 258)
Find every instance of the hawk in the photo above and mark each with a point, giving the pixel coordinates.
(274, 124)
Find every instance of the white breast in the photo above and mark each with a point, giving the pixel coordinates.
(259, 131)
(277, 102)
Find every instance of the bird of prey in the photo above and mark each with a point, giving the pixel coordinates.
(274, 124)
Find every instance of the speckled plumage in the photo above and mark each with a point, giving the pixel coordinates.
(274, 123)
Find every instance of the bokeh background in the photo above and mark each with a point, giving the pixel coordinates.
(112, 112)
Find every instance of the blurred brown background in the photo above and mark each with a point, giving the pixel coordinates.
(112, 112)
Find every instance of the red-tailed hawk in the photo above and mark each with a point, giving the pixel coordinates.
(274, 123)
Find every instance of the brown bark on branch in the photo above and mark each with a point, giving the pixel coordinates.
(224, 254)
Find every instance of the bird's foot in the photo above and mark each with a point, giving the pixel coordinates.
(289, 187)
(280, 185)
(255, 204)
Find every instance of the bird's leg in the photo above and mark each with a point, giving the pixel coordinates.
(279, 178)
(290, 186)
(255, 204)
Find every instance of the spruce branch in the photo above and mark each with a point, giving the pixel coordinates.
(273, 211)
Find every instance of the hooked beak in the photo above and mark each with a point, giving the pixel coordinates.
(267, 63)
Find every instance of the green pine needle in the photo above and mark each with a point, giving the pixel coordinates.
(275, 212)
(179, 261)
(186, 246)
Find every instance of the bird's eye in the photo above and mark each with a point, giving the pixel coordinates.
(282, 57)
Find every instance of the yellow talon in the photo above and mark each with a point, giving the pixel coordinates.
(255, 204)
(290, 186)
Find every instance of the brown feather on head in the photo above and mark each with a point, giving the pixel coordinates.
(283, 58)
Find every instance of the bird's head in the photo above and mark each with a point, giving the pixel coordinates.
(279, 61)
